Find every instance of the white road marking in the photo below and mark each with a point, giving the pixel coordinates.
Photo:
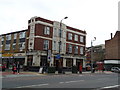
(109, 87)
(71, 81)
(32, 85)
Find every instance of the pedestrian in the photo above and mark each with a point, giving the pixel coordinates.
(103, 69)
(80, 68)
(14, 69)
(18, 67)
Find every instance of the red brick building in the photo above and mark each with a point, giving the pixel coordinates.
(44, 36)
(112, 46)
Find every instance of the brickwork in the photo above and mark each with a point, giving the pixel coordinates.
(112, 47)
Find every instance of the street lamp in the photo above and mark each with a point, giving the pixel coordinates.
(60, 33)
(92, 70)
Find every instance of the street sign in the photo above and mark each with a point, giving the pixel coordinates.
(58, 56)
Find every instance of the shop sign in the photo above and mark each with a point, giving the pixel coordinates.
(7, 55)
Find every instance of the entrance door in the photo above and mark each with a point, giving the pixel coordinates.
(43, 61)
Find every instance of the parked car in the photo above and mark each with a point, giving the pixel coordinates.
(115, 69)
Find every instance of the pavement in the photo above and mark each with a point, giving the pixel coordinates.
(8, 73)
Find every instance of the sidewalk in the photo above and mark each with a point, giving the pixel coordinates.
(8, 73)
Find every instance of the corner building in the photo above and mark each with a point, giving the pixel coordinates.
(43, 42)
(13, 48)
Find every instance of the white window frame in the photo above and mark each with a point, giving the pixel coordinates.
(22, 34)
(47, 30)
(7, 47)
(70, 36)
(69, 48)
(76, 37)
(81, 39)
(8, 37)
(81, 50)
(76, 49)
(2, 39)
(54, 44)
(22, 45)
(14, 46)
(46, 44)
(15, 35)
(55, 32)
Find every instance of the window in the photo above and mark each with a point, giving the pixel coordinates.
(7, 47)
(81, 39)
(15, 35)
(69, 63)
(47, 30)
(69, 48)
(8, 37)
(46, 45)
(76, 49)
(54, 48)
(22, 34)
(81, 50)
(2, 38)
(76, 38)
(14, 46)
(55, 31)
(22, 45)
(69, 36)
(60, 33)
(64, 34)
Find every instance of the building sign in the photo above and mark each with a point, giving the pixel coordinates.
(7, 55)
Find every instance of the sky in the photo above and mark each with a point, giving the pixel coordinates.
(98, 18)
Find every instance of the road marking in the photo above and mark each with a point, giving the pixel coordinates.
(71, 81)
(32, 85)
(109, 87)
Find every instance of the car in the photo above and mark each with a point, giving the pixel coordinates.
(115, 69)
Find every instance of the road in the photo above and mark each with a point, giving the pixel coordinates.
(90, 81)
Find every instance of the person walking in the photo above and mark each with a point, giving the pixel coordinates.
(80, 68)
(14, 69)
(18, 67)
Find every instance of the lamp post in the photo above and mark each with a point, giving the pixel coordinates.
(92, 70)
(60, 33)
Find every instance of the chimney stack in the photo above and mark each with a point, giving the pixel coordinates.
(111, 35)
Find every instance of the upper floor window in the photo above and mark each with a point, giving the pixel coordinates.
(60, 33)
(7, 47)
(69, 48)
(55, 32)
(46, 44)
(22, 45)
(81, 50)
(47, 30)
(81, 39)
(2, 39)
(22, 34)
(69, 36)
(14, 46)
(76, 49)
(76, 37)
(8, 37)
(54, 44)
(15, 36)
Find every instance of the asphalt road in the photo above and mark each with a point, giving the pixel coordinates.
(94, 81)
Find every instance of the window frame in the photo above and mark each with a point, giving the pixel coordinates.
(75, 37)
(46, 45)
(70, 35)
(47, 30)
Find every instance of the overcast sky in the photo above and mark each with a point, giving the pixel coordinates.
(98, 18)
